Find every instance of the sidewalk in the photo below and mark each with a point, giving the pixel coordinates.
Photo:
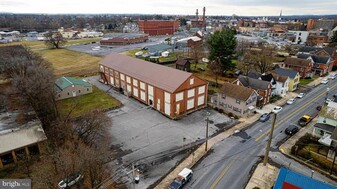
(200, 152)
(263, 177)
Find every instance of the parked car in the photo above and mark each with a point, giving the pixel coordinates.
(335, 95)
(201, 68)
(300, 95)
(291, 101)
(319, 108)
(70, 181)
(183, 177)
(328, 100)
(325, 81)
(304, 120)
(291, 130)
(277, 109)
(332, 76)
(264, 117)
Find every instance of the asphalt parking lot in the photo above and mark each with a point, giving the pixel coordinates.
(97, 50)
(139, 131)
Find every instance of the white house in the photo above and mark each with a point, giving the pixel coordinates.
(300, 36)
(282, 84)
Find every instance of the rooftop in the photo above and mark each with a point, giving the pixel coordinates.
(65, 82)
(236, 91)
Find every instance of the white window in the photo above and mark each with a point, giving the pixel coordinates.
(135, 92)
(142, 95)
(201, 100)
(101, 68)
(190, 93)
(190, 104)
(179, 96)
(150, 90)
(122, 77)
(116, 74)
(142, 85)
(167, 97)
(201, 90)
(135, 82)
(128, 79)
(112, 81)
(191, 81)
(167, 108)
(128, 88)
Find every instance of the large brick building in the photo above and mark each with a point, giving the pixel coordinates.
(172, 92)
(158, 27)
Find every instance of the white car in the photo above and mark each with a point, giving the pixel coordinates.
(300, 95)
(70, 181)
(332, 76)
(291, 101)
(328, 100)
(324, 81)
(277, 109)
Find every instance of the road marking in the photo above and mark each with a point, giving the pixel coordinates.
(292, 113)
(216, 182)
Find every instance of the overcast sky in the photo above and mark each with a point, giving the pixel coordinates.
(182, 7)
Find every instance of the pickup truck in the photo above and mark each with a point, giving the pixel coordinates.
(183, 177)
(304, 120)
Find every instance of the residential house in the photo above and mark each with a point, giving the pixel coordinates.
(172, 92)
(265, 77)
(325, 127)
(288, 179)
(183, 64)
(303, 66)
(317, 40)
(67, 87)
(326, 51)
(322, 65)
(294, 77)
(282, 84)
(263, 88)
(236, 99)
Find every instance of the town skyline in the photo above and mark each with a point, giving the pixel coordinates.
(174, 7)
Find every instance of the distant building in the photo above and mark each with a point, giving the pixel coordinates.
(68, 87)
(158, 27)
(183, 64)
(111, 39)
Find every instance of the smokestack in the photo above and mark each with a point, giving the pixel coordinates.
(204, 19)
(196, 15)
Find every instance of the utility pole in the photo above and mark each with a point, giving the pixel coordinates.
(333, 162)
(206, 134)
(265, 160)
(133, 175)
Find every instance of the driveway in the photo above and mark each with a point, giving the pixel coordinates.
(145, 136)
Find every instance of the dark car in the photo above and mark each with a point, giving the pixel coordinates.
(335, 95)
(291, 130)
(319, 108)
(201, 69)
(264, 117)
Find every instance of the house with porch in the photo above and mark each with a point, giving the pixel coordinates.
(263, 88)
(294, 77)
(282, 84)
(303, 66)
(322, 65)
(237, 99)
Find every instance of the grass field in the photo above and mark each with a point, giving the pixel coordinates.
(71, 63)
(97, 100)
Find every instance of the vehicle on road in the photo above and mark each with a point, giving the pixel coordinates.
(335, 95)
(291, 101)
(291, 130)
(300, 95)
(70, 181)
(325, 81)
(304, 120)
(277, 109)
(332, 76)
(183, 177)
(328, 100)
(319, 108)
(264, 117)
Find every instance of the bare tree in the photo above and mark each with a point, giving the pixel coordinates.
(216, 68)
(262, 58)
(196, 54)
(242, 47)
(55, 40)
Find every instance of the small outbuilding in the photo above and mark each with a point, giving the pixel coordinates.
(67, 87)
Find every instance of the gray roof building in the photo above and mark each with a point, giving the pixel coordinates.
(290, 73)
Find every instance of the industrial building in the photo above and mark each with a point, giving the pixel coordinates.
(158, 27)
(172, 92)
(112, 39)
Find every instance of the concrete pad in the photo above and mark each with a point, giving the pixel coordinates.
(263, 177)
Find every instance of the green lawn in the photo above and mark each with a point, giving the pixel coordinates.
(97, 100)
(307, 81)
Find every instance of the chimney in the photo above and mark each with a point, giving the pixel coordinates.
(204, 19)
(196, 15)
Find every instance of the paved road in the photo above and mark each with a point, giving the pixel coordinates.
(232, 160)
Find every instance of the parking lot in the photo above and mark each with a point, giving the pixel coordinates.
(140, 132)
(97, 50)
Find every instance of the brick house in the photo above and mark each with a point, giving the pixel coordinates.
(236, 99)
(303, 66)
(172, 92)
(183, 64)
(263, 88)
(158, 27)
(322, 65)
